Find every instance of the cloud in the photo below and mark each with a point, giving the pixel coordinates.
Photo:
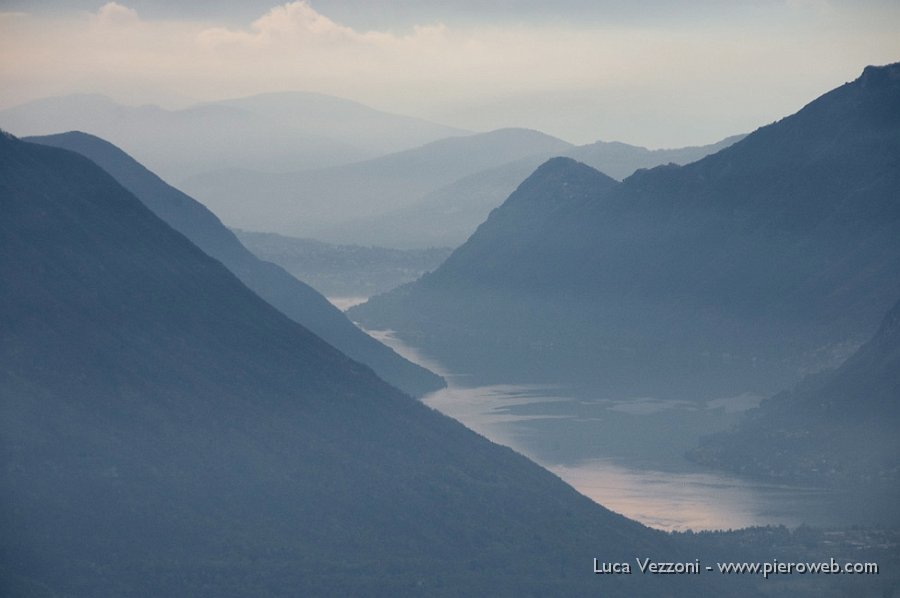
(297, 25)
(291, 23)
(115, 14)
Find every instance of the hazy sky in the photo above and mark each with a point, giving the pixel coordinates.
(656, 73)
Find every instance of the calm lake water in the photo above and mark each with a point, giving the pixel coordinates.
(627, 453)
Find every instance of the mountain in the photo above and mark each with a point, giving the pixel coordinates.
(743, 271)
(449, 215)
(839, 427)
(348, 271)
(375, 132)
(620, 160)
(295, 299)
(310, 203)
(431, 196)
(270, 132)
(444, 217)
(167, 432)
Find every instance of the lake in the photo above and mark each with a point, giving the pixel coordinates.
(627, 453)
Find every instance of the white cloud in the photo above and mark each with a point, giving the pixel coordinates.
(290, 23)
(113, 13)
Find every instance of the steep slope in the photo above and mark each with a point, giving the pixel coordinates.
(557, 186)
(311, 203)
(769, 259)
(167, 432)
(838, 427)
(297, 300)
(271, 132)
(444, 217)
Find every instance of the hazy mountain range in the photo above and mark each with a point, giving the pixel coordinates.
(167, 432)
(311, 203)
(745, 270)
(296, 299)
(448, 215)
(311, 165)
(270, 132)
(431, 196)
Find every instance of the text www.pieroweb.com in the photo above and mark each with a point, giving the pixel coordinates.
(765, 568)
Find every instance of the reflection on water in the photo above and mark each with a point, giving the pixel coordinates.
(626, 454)
(488, 409)
(681, 501)
(345, 303)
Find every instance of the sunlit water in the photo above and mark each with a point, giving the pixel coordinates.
(345, 303)
(627, 454)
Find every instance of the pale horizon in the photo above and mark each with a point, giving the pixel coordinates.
(581, 72)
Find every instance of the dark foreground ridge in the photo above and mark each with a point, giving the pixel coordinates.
(297, 300)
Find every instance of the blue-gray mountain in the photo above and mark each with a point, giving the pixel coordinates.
(165, 432)
(317, 166)
(429, 196)
(270, 132)
(772, 258)
(296, 299)
(310, 203)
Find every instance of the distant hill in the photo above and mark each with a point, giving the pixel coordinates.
(165, 432)
(449, 215)
(620, 160)
(446, 216)
(743, 271)
(343, 270)
(269, 133)
(431, 196)
(296, 299)
(839, 427)
(310, 203)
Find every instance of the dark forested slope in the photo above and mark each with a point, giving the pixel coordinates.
(296, 299)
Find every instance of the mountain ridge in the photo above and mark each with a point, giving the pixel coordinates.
(232, 133)
(309, 202)
(293, 297)
(744, 270)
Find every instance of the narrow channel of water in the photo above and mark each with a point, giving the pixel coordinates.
(627, 454)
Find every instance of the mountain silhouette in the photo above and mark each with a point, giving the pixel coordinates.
(297, 300)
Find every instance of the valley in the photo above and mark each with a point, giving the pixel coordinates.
(323, 298)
